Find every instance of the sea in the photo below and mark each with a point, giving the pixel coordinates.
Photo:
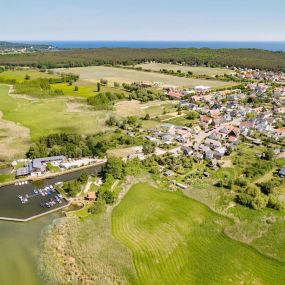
(269, 45)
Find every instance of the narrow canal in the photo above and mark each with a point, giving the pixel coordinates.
(20, 242)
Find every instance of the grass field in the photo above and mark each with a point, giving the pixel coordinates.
(27, 118)
(95, 73)
(44, 116)
(196, 70)
(176, 240)
(19, 75)
(84, 90)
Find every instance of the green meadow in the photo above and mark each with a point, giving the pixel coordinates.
(19, 75)
(50, 115)
(84, 90)
(176, 240)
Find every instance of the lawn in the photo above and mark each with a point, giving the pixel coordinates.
(112, 74)
(45, 116)
(197, 70)
(176, 240)
(19, 75)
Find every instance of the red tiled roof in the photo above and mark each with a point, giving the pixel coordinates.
(174, 94)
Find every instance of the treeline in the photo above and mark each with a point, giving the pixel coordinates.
(77, 146)
(250, 58)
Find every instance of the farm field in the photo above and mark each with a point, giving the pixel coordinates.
(112, 74)
(199, 70)
(19, 75)
(176, 240)
(44, 116)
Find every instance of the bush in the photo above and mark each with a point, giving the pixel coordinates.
(98, 207)
(242, 182)
(259, 202)
(109, 197)
(193, 115)
(104, 101)
(72, 187)
(252, 190)
(244, 199)
(275, 203)
(148, 147)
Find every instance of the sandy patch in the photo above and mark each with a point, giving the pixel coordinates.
(76, 107)
(227, 163)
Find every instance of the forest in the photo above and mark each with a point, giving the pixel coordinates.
(249, 58)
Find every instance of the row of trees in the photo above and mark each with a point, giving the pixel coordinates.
(76, 146)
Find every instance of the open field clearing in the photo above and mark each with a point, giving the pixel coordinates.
(45, 116)
(176, 240)
(120, 75)
(135, 108)
(199, 70)
(125, 152)
(19, 75)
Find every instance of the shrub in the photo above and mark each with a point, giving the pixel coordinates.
(259, 202)
(98, 207)
(244, 199)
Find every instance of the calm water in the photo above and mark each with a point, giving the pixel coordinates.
(19, 249)
(20, 242)
(11, 206)
(273, 46)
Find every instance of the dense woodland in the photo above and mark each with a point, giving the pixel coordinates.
(251, 58)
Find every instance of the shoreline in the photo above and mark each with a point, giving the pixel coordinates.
(52, 175)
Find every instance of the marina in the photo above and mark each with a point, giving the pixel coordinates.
(26, 200)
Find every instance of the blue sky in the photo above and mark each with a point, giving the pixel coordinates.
(201, 20)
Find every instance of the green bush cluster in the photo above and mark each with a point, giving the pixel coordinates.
(143, 94)
(260, 197)
(104, 101)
